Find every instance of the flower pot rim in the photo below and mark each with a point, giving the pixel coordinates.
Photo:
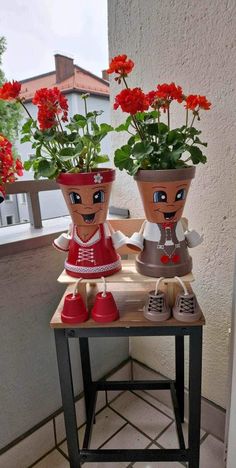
(96, 176)
(165, 175)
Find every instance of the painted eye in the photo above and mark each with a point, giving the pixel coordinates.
(180, 195)
(98, 197)
(75, 198)
(159, 196)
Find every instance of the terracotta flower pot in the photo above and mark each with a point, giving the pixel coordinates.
(163, 194)
(91, 250)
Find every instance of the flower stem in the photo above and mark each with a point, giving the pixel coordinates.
(135, 122)
(186, 117)
(26, 110)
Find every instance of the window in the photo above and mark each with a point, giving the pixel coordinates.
(9, 220)
(9, 198)
(22, 198)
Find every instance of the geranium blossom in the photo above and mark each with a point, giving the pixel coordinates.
(51, 103)
(194, 101)
(131, 101)
(121, 65)
(169, 92)
(10, 91)
(9, 167)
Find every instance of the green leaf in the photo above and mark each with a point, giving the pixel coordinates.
(28, 164)
(131, 140)
(27, 126)
(101, 158)
(196, 155)
(125, 126)
(193, 131)
(175, 154)
(25, 138)
(162, 128)
(46, 168)
(142, 149)
(140, 116)
(199, 142)
(79, 147)
(122, 158)
(152, 129)
(105, 128)
(38, 151)
(67, 153)
(79, 118)
(173, 137)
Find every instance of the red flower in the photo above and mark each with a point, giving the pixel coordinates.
(170, 92)
(121, 65)
(10, 91)
(151, 96)
(8, 166)
(51, 103)
(19, 167)
(131, 101)
(193, 101)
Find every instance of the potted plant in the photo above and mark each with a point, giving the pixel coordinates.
(69, 150)
(162, 161)
(10, 166)
(10, 163)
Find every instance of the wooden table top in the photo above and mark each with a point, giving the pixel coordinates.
(130, 303)
(127, 274)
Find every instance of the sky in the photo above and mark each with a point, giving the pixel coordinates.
(37, 29)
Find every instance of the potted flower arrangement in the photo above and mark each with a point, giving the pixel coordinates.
(10, 165)
(162, 161)
(69, 150)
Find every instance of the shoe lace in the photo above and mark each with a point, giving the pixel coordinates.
(156, 304)
(187, 305)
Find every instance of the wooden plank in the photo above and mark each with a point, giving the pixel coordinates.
(128, 274)
(130, 304)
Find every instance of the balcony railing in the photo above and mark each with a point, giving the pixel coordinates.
(32, 188)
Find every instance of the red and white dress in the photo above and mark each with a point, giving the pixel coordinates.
(94, 258)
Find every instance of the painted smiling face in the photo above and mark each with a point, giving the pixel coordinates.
(87, 204)
(164, 201)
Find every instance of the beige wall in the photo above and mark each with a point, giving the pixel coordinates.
(191, 43)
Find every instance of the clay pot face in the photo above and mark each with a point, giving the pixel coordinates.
(88, 203)
(164, 200)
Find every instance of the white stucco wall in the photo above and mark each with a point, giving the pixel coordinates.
(29, 388)
(192, 43)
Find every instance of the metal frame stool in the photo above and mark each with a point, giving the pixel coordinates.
(131, 323)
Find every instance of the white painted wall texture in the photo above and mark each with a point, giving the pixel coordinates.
(192, 43)
(29, 383)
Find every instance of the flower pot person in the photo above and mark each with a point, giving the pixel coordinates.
(161, 159)
(69, 150)
(91, 243)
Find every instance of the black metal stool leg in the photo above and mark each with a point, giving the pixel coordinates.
(179, 373)
(67, 393)
(86, 372)
(195, 374)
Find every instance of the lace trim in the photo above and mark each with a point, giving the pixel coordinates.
(97, 269)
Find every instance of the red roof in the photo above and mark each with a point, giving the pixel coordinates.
(81, 81)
